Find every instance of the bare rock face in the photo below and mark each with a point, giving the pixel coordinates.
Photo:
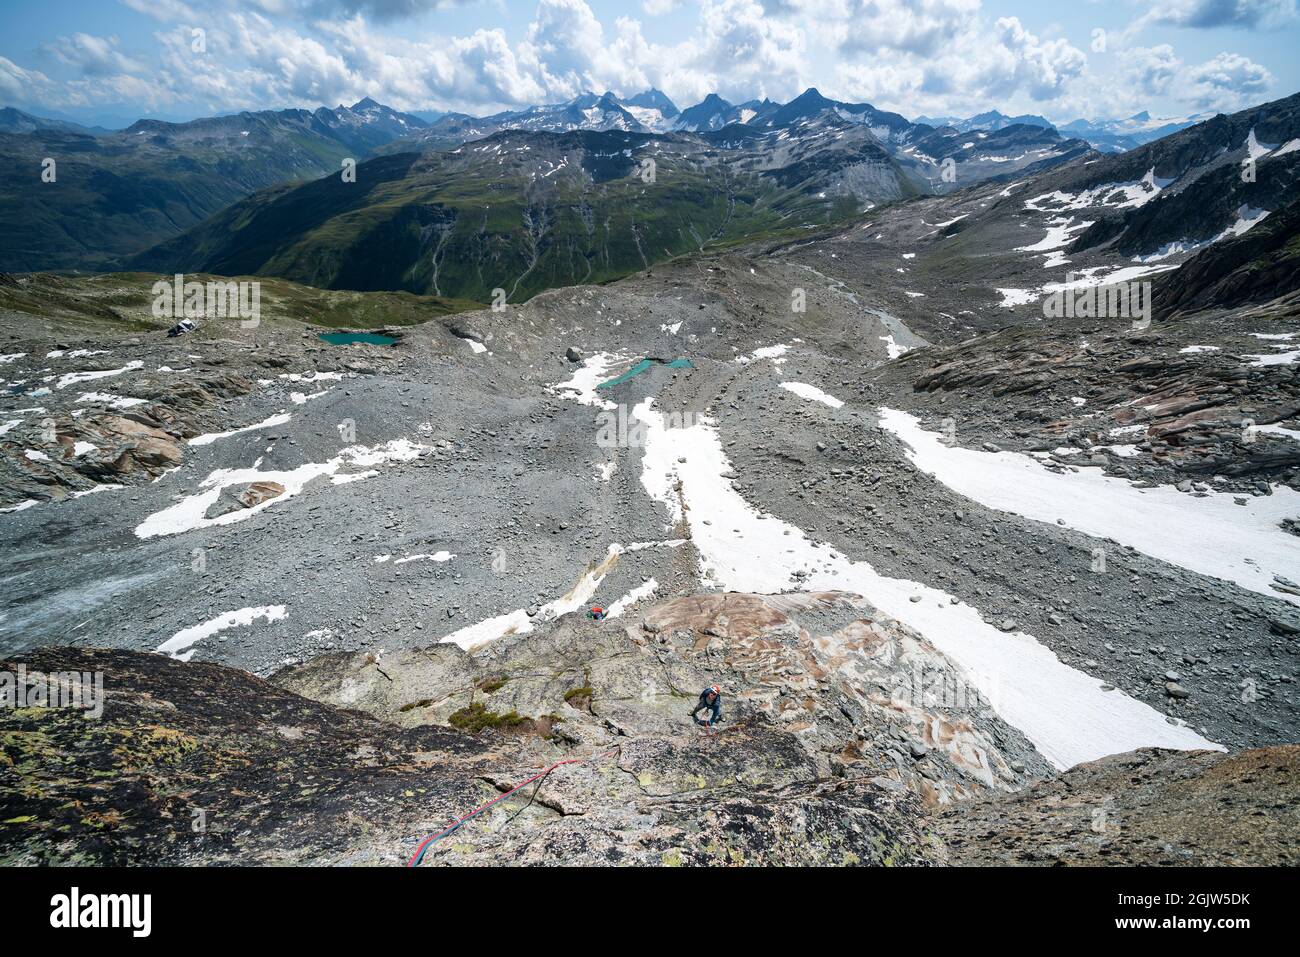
(86, 452)
(195, 763)
(278, 778)
(59, 453)
(1250, 268)
(124, 445)
(816, 694)
(233, 498)
(799, 772)
(1148, 807)
(803, 769)
(1136, 402)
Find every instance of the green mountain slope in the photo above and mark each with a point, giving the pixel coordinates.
(526, 211)
(119, 193)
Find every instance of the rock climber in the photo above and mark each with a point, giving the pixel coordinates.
(711, 699)
(596, 614)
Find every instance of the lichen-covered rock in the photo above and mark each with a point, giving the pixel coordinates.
(63, 451)
(198, 763)
(1148, 807)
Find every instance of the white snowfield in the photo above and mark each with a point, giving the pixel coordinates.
(519, 622)
(640, 593)
(812, 393)
(72, 378)
(191, 511)
(582, 386)
(776, 353)
(1098, 276)
(1280, 341)
(1058, 235)
(181, 644)
(108, 398)
(892, 347)
(440, 556)
(1211, 536)
(307, 377)
(281, 418)
(1062, 711)
(1015, 297)
(1117, 195)
(1247, 219)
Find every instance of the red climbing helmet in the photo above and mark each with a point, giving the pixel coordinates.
(715, 689)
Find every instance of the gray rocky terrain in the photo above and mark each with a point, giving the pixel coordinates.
(378, 557)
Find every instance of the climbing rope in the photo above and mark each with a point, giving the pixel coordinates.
(713, 732)
(539, 777)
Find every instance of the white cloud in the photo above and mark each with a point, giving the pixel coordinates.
(568, 43)
(980, 66)
(940, 57)
(913, 26)
(739, 52)
(1043, 67)
(19, 85)
(93, 56)
(1208, 14)
(1228, 82)
(1152, 70)
(165, 10)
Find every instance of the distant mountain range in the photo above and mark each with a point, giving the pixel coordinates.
(992, 120)
(16, 121)
(650, 111)
(119, 193)
(527, 210)
(653, 112)
(469, 203)
(1110, 136)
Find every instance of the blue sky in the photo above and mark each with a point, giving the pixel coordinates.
(111, 61)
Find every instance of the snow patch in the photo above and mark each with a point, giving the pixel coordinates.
(775, 353)
(442, 556)
(640, 593)
(518, 622)
(1210, 536)
(1016, 297)
(107, 398)
(892, 347)
(1064, 712)
(812, 393)
(594, 370)
(72, 378)
(190, 512)
(186, 638)
(280, 418)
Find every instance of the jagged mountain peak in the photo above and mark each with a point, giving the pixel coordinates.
(654, 99)
(810, 95)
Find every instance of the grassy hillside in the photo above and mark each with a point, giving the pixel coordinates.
(122, 301)
(523, 212)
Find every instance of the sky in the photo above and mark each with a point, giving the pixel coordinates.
(113, 61)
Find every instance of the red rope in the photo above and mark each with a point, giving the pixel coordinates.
(424, 845)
